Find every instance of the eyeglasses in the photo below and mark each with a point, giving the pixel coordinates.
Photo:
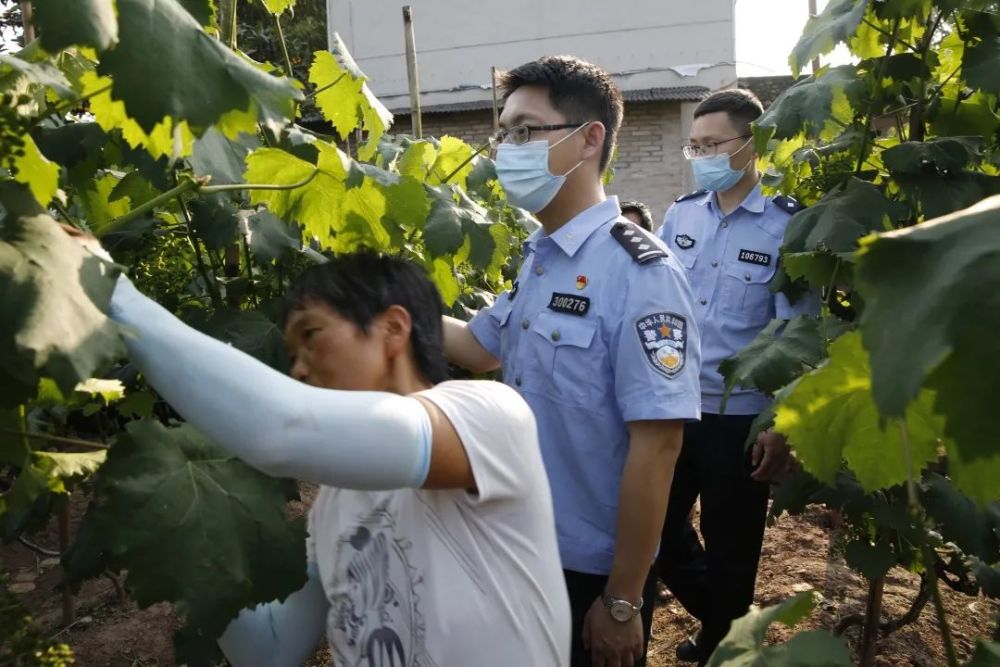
(707, 150)
(521, 134)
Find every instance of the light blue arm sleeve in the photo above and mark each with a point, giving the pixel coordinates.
(279, 634)
(347, 439)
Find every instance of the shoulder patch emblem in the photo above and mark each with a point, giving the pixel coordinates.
(683, 241)
(690, 195)
(789, 204)
(663, 337)
(637, 241)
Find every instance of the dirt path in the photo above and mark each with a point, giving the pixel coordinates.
(796, 557)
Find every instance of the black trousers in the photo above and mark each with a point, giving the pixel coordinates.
(583, 590)
(715, 581)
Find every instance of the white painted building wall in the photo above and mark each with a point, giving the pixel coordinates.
(643, 43)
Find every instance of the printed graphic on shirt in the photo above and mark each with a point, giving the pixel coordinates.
(569, 304)
(754, 257)
(664, 340)
(684, 242)
(375, 612)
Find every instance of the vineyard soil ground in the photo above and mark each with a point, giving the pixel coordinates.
(109, 634)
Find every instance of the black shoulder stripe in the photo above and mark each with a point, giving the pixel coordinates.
(789, 204)
(637, 241)
(690, 195)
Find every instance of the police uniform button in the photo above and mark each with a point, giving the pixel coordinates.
(746, 277)
(517, 380)
(525, 324)
(539, 270)
(724, 224)
(715, 263)
(703, 301)
(556, 335)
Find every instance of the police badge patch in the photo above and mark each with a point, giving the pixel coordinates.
(684, 242)
(664, 341)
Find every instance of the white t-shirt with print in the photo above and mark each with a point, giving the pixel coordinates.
(445, 578)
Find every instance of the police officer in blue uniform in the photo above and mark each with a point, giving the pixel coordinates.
(598, 334)
(727, 235)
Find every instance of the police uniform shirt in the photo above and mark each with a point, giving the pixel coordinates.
(730, 261)
(598, 330)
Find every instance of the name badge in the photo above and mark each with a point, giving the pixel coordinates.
(569, 304)
(754, 257)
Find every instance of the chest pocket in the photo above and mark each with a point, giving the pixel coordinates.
(746, 291)
(569, 357)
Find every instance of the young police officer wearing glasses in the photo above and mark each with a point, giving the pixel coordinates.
(598, 336)
(728, 236)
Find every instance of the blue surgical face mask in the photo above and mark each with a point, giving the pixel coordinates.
(714, 173)
(524, 173)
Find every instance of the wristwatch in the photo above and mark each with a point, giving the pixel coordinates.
(620, 610)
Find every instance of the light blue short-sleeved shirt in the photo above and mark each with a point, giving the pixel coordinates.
(594, 336)
(730, 261)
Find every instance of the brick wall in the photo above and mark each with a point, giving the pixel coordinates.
(650, 167)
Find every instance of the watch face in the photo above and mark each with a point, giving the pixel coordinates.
(621, 611)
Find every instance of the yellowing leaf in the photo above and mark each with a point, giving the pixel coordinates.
(109, 390)
(443, 276)
(37, 172)
(316, 205)
(453, 152)
(166, 140)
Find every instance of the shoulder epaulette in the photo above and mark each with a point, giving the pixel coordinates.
(690, 195)
(637, 241)
(789, 204)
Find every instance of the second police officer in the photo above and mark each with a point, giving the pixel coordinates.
(728, 235)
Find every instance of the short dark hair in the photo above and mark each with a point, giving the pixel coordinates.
(579, 90)
(359, 286)
(741, 105)
(645, 217)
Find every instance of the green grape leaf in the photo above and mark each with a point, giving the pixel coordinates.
(41, 73)
(829, 414)
(808, 104)
(37, 172)
(137, 404)
(774, 358)
(191, 525)
(278, 6)
(941, 194)
(72, 144)
(941, 335)
(871, 560)
(270, 238)
(452, 152)
(837, 23)
(744, 645)
(203, 11)
(407, 203)
(451, 209)
(417, 160)
(443, 276)
(316, 205)
(135, 187)
(345, 99)
(198, 80)
(835, 223)
(98, 207)
(980, 64)
(481, 243)
(941, 154)
(987, 654)
(13, 448)
(817, 268)
(213, 218)
(248, 331)
(221, 158)
(63, 23)
(53, 296)
(975, 531)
